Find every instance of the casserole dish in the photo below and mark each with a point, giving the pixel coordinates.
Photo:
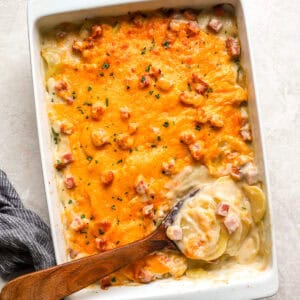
(232, 287)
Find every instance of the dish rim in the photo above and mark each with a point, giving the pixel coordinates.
(38, 11)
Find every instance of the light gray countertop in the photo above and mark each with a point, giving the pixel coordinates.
(274, 32)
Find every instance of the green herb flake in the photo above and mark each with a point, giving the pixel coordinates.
(101, 74)
(143, 79)
(113, 207)
(106, 102)
(119, 161)
(82, 216)
(56, 137)
(159, 138)
(143, 51)
(166, 124)
(89, 158)
(151, 92)
(157, 96)
(148, 68)
(197, 127)
(153, 146)
(105, 66)
(166, 44)
(100, 231)
(189, 87)
(89, 88)
(87, 103)
(70, 201)
(113, 279)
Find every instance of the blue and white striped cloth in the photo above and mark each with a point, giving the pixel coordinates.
(25, 240)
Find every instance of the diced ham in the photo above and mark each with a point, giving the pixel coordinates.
(140, 185)
(73, 253)
(232, 223)
(67, 158)
(69, 100)
(78, 223)
(250, 173)
(82, 45)
(187, 137)
(107, 177)
(177, 25)
(168, 167)
(174, 233)
(132, 128)
(66, 128)
(245, 132)
(202, 116)
(197, 150)
(145, 276)
(101, 244)
(124, 113)
(193, 27)
(69, 182)
(222, 209)
(235, 173)
(190, 15)
(124, 141)
(99, 137)
(215, 25)
(138, 20)
(155, 72)
(96, 31)
(144, 81)
(97, 110)
(233, 47)
(148, 211)
(105, 282)
(64, 161)
(200, 86)
(61, 86)
(216, 120)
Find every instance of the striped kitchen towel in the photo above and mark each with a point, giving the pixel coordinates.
(25, 240)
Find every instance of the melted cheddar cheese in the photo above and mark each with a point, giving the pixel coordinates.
(132, 101)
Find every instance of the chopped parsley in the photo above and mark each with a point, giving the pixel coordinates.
(197, 127)
(82, 216)
(148, 68)
(143, 79)
(106, 102)
(56, 137)
(166, 44)
(89, 158)
(159, 138)
(151, 92)
(113, 279)
(101, 232)
(166, 124)
(89, 88)
(143, 51)
(189, 87)
(113, 207)
(105, 66)
(70, 201)
(119, 161)
(101, 74)
(157, 96)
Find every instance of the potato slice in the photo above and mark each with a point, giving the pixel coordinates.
(221, 247)
(258, 201)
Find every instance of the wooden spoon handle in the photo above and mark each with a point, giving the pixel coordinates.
(63, 280)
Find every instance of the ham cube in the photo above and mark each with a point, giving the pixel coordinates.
(222, 209)
(215, 25)
(232, 223)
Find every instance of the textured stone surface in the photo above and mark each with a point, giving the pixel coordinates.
(274, 33)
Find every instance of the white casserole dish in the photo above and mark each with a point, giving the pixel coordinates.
(247, 284)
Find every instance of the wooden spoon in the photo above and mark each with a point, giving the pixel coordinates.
(65, 279)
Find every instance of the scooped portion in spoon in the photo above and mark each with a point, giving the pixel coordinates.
(217, 220)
